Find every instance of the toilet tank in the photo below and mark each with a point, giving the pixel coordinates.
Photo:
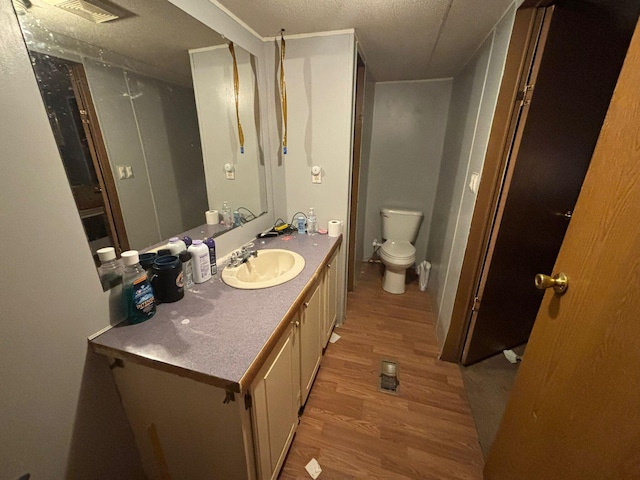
(400, 225)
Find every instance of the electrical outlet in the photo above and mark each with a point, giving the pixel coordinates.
(316, 174)
(229, 171)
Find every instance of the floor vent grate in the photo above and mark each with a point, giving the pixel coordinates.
(389, 382)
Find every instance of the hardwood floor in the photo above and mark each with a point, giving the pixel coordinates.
(356, 431)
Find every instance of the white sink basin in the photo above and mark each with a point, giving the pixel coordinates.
(270, 268)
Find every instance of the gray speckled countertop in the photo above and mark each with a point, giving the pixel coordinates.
(216, 332)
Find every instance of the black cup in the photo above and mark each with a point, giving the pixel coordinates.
(166, 279)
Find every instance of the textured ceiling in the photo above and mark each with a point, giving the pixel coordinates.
(401, 39)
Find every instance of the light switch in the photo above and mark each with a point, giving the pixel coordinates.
(124, 172)
(316, 174)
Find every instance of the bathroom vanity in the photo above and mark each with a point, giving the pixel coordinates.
(212, 385)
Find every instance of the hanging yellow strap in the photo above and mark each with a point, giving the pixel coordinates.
(236, 88)
(283, 94)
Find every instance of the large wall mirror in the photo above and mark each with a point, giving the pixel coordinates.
(141, 99)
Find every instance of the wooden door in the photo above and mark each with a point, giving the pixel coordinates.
(574, 411)
(569, 100)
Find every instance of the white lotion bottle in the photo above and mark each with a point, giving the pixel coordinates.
(176, 246)
(201, 264)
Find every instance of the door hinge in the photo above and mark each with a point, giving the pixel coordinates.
(476, 304)
(229, 396)
(525, 95)
(248, 402)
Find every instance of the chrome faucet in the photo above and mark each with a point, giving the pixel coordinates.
(238, 258)
(246, 254)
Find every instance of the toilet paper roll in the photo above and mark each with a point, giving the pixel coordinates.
(212, 217)
(335, 228)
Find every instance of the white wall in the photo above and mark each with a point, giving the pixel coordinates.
(110, 92)
(168, 126)
(59, 411)
(320, 94)
(409, 123)
(473, 101)
(212, 70)
(153, 128)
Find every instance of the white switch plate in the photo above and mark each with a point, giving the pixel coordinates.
(229, 171)
(124, 172)
(316, 174)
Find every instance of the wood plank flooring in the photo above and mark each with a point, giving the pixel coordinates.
(356, 431)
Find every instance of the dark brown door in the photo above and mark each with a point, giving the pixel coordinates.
(578, 70)
(573, 411)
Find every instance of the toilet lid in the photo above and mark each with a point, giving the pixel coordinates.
(395, 249)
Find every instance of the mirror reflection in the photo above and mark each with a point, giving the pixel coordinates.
(141, 101)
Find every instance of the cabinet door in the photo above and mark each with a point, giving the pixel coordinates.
(330, 299)
(182, 427)
(310, 342)
(275, 408)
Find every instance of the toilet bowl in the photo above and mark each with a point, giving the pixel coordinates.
(396, 257)
(399, 228)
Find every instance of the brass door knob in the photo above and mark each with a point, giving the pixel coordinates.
(559, 282)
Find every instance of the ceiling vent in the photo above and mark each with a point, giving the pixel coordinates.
(21, 6)
(85, 9)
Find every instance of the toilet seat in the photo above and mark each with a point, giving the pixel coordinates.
(398, 252)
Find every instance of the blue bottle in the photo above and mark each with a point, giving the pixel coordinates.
(137, 293)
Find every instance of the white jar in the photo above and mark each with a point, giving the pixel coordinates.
(201, 264)
(176, 246)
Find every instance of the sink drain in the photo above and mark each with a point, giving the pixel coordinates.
(389, 382)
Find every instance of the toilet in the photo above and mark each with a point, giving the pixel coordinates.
(399, 230)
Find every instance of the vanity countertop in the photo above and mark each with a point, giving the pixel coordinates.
(218, 334)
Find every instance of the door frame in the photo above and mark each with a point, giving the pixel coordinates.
(99, 156)
(573, 408)
(501, 138)
(355, 170)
